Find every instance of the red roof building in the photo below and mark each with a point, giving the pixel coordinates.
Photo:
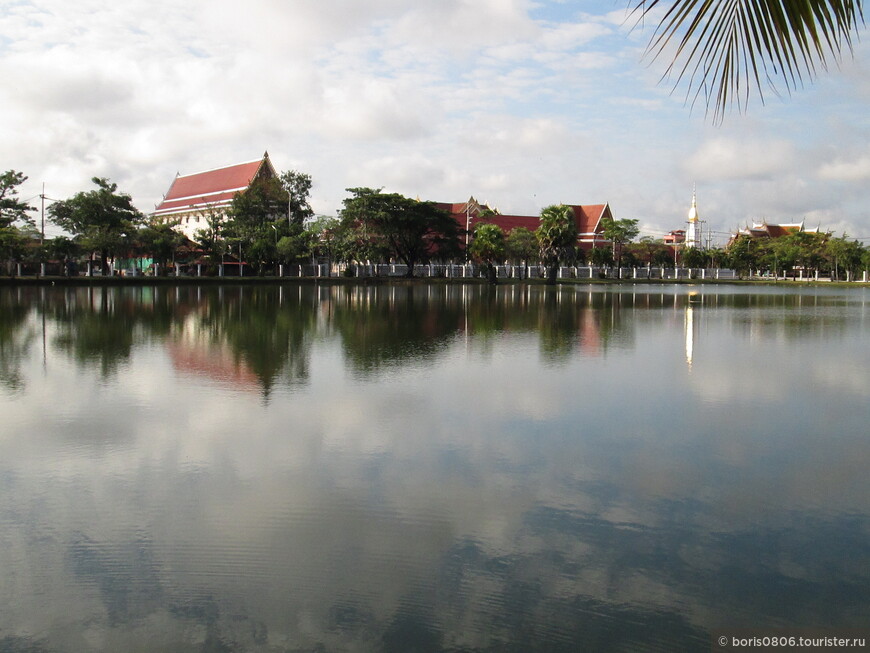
(192, 198)
(588, 217)
(676, 237)
(764, 230)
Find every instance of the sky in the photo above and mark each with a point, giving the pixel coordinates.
(519, 103)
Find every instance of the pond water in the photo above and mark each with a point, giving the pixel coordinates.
(431, 467)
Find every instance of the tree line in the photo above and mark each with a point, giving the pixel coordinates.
(273, 223)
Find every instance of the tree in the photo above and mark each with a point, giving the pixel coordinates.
(258, 219)
(601, 256)
(557, 237)
(102, 219)
(728, 48)
(694, 257)
(211, 239)
(742, 255)
(388, 224)
(521, 246)
(325, 237)
(14, 220)
(845, 255)
(652, 251)
(12, 209)
(63, 249)
(619, 232)
(161, 241)
(488, 247)
(298, 188)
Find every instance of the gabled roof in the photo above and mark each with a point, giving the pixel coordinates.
(212, 188)
(589, 217)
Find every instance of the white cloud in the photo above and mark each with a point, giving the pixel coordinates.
(723, 158)
(511, 96)
(857, 169)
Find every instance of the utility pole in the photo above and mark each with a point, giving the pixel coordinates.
(42, 233)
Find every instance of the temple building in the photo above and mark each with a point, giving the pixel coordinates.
(764, 230)
(192, 199)
(693, 233)
(590, 231)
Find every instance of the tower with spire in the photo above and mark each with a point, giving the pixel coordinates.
(693, 234)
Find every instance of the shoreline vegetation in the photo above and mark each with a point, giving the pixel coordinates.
(85, 281)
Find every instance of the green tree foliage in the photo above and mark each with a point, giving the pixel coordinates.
(488, 248)
(388, 225)
(14, 221)
(694, 258)
(103, 219)
(726, 50)
(521, 247)
(257, 220)
(742, 255)
(12, 209)
(557, 237)
(62, 249)
(326, 238)
(161, 241)
(298, 187)
(620, 233)
(601, 256)
(211, 240)
(845, 256)
(652, 251)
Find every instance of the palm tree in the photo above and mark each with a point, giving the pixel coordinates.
(557, 236)
(723, 49)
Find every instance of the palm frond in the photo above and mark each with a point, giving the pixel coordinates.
(724, 50)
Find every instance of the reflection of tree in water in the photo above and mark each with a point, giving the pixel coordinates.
(96, 327)
(382, 326)
(268, 329)
(566, 320)
(15, 338)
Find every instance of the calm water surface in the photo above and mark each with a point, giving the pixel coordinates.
(430, 468)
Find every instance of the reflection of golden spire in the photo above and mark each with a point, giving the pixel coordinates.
(690, 336)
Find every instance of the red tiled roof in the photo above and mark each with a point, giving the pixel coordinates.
(507, 222)
(778, 230)
(588, 216)
(210, 188)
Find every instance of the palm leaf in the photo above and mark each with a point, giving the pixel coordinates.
(724, 50)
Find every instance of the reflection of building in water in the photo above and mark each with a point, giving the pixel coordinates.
(690, 335)
(194, 353)
(691, 327)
